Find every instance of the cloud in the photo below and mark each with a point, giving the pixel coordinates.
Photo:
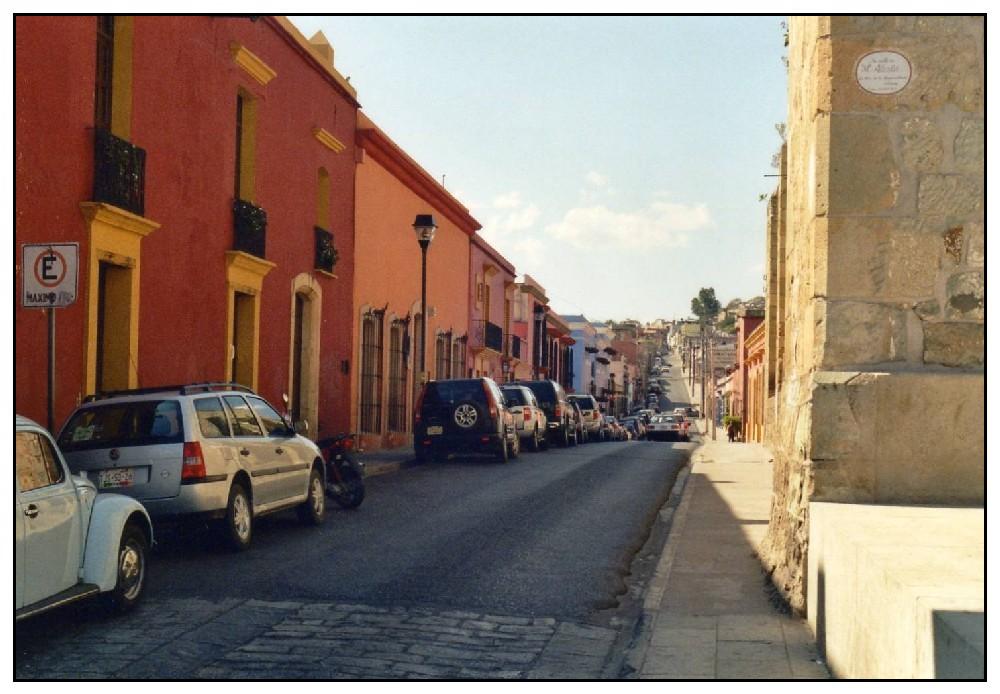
(660, 225)
(509, 214)
(507, 200)
(596, 179)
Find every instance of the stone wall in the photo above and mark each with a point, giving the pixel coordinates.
(878, 308)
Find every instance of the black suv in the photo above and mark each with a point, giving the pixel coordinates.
(557, 409)
(466, 415)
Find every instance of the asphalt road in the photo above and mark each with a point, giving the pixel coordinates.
(550, 533)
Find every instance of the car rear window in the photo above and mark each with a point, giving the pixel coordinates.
(544, 392)
(117, 425)
(447, 392)
(515, 397)
(585, 402)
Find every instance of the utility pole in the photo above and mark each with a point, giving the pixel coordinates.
(711, 368)
(704, 363)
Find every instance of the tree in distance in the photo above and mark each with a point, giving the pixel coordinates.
(705, 306)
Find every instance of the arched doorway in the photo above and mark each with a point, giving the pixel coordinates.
(303, 377)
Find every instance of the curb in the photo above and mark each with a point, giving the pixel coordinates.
(673, 511)
(373, 469)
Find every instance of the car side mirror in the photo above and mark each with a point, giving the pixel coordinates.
(301, 427)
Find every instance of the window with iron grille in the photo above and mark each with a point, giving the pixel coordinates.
(371, 372)
(442, 355)
(105, 63)
(398, 349)
(458, 358)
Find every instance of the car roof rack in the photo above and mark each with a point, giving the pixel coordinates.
(186, 389)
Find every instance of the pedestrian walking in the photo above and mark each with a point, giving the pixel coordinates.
(733, 430)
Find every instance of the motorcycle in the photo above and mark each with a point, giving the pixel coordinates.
(344, 475)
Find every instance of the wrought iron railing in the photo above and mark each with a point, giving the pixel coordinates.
(119, 172)
(249, 228)
(515, 346)
(486, 335)
(325, 255)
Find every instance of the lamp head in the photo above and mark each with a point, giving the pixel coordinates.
(424, 227)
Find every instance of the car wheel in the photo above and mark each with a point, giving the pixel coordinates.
(467, 414)
(133, 552)
(239, 518)
(536, 441)
(502, 452)
(312, 511)
(565, 436)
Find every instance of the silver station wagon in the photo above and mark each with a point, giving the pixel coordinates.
(209, 450)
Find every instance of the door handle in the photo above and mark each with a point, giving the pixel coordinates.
(279, 450)
(244, 451)
(31, 511)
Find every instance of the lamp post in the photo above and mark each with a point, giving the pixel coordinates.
(424, 227)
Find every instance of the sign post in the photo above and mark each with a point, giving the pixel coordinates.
(48, 281)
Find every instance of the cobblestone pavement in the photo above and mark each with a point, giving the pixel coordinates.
(180, 638)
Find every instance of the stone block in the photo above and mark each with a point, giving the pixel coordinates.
(966, 296)
(864, 177)
(954, 344)
(922, 145)
(870, 431)
(975, 254)
(951, 195)
(970, 146)
(858, 332)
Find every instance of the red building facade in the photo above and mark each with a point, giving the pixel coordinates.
(205, 165)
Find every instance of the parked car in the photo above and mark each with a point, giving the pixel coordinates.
(529, 419)
(592, 417)
(581, 432)
(69, 541)
(215, 451)
(557, 409)
(665, 427)
(465, 415)
(615, 430)
(606, 433)
(635, 427)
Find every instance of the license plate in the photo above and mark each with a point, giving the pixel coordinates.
(435, 431)
(116, 478)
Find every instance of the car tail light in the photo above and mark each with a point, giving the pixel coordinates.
(490, 400)
(194, 462)
(558, 412)
(527, 414)
(418, 406)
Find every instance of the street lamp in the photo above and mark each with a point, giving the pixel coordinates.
(424, 227)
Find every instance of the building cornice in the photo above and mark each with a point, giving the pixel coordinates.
(298, 41)
(505, 265)
(391, 156)
(328, 140)
(251, 64)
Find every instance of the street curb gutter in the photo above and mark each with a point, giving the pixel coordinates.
(674, 512)
(375, 469)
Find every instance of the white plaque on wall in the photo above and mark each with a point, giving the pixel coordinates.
(883, 72)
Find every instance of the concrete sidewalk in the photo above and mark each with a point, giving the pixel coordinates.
(711, 615)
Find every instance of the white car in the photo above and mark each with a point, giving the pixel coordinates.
(69, 541)
(530, 421)
(666, 427)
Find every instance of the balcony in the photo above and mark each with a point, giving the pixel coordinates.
(486, 335)
(514, 346)
(119, 173)
(249, 228)
(325, 254)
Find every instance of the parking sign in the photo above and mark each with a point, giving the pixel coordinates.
(49, 274)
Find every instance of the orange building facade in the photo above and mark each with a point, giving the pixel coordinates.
(391, 190)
